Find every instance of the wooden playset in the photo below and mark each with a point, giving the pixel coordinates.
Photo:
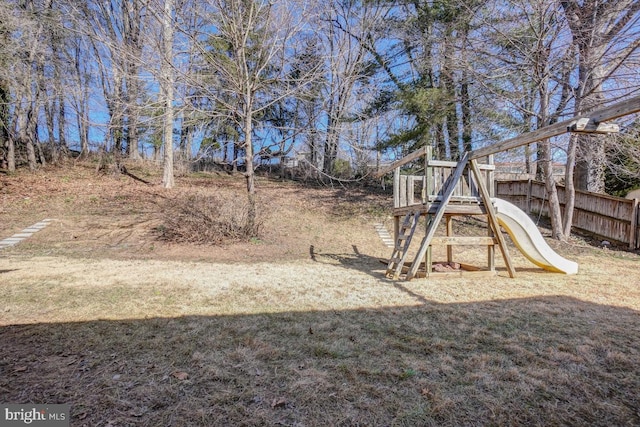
(446, 190)
(449, 189)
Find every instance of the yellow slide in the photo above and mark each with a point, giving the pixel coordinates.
(526, 236)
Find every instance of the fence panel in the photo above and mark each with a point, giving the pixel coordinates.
(613, 218)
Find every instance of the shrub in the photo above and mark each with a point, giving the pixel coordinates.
(209, 219)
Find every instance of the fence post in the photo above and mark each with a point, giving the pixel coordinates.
(635, 218)
(529, 190)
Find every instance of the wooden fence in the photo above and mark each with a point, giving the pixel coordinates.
(612, 218)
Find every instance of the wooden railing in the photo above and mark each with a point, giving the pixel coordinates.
(411, 189)
(612, 218)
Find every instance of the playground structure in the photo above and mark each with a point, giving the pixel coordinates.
(450, 189)
(465, 188)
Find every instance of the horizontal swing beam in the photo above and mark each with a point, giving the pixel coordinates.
(620, 109)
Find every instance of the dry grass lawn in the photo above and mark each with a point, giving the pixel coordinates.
(298, 327)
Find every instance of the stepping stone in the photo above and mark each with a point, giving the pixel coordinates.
(24, 234)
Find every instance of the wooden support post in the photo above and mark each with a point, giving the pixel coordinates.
(491, 186)
(428, 258)
(428, 176)
(396, 188)
(451, 186)
(493, 219)
(491, 249)
(423, 194)
(449, 220)
(429, 185)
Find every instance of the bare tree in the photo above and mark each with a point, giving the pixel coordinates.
(600, 32)
(605, 38)
(531, 75)
(115, 31)
(247, 56)
(346, 26)
(78, 55)
(7, 145)
(24, 76)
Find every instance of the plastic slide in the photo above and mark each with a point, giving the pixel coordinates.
(526, 236)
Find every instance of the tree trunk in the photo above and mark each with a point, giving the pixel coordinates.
(447, 85)
(465, 99)
(236, 155)
(24, 137)
(48, 113)
(331, 143)
(186, 140)
(5, 140)
(440, 148)
(569, 188)
(555, 214)
(598, 29)
(591, 159)
(58, 97)
(465, 110)
(81, 101)
(132, 22)
(544, 149)
(249, 173)
(11, 155)
(83, 129)
(167, 90)
(62, 121)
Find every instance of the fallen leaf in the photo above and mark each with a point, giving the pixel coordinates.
(20, 369)
(180, 375)
(279, 403)
(426, 393)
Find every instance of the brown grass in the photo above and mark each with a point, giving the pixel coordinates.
(300, 328)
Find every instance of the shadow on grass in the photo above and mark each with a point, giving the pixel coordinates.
(538, 361)
(355, 260)
(375, 266)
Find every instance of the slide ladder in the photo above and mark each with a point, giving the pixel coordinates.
(402, 244)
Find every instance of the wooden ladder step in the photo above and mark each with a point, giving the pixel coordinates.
(402, 244)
